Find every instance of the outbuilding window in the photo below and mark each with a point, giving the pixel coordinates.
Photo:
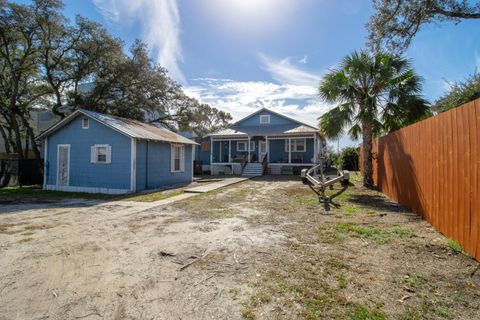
(265, 119)
(178, 158)
(297, 145)
(101, 153)
(85, 123)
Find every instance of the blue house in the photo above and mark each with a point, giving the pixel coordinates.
(263, 142)
(97, 153)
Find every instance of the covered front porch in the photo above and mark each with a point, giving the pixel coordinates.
(231, 154)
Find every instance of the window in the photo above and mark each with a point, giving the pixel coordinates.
(205, 146)
(178, 158)
(85, 123)
(242, 146)
(297, 145)
(265, 118)
(101, 153)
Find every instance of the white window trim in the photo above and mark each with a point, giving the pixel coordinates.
(182, 157)
(94, 154)
(294, 145)
(88, 123)
(245, 143)
(265, 116)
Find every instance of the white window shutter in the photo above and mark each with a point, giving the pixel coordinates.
(93, 154)
(172, 157)
(182, 158)
(109, 155)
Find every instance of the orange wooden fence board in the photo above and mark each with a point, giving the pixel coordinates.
(433, 168)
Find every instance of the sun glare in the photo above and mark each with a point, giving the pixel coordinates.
(250, 15)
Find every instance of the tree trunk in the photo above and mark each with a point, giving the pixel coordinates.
(31, 137)
(6, 139)
(367, 132)
(17, 135)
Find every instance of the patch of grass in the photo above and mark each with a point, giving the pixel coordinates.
(350, 210)
(415, 280)
(427, 309)
(247, 313)
(6, 227)
(342, 282)
(307, 200)
(220, 212)
(219, 203)
(455, 246)
(36, 193)
(154, 196)
(234, 292)
(38, 227)
(340, 230)
(362, 312)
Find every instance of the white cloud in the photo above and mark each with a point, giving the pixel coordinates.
(284, 72)
(160, 23)
(240, 98)
(304, 60)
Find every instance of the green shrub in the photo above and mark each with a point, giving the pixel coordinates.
(455, 246)
(459, 93)
(349, 158)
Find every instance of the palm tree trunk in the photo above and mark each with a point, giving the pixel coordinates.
(367, 132)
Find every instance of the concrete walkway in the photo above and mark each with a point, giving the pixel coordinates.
(135, 206)
(120, 206)
(214, 185)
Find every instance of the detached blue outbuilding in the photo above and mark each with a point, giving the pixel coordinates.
(97, 153)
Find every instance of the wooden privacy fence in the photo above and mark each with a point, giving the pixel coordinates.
(433, 168)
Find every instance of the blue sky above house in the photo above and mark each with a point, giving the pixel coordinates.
(241, 55)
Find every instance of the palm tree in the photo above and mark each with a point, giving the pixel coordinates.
(375, 93)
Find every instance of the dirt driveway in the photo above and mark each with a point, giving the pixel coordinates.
(260, 249)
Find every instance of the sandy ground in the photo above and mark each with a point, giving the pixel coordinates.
(199, 258)
(81, 260)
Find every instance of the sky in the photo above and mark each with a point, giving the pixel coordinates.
(241, 55)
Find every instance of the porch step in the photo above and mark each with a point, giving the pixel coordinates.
(253, 170)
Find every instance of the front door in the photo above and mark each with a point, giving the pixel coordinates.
(63, 164)
(262, 149)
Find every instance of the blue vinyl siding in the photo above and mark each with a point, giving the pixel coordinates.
(278, 154)
(204, 156)
(277, 127)
(255, 120)
(83, 173)
(154, 166)
(277, 151)
(141, 165)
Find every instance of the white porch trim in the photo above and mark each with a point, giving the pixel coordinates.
(133, 166)
(86, 189)
(45, 157)
(248, 158)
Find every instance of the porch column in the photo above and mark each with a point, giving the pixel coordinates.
(315, 147)
(229, 151)
(289, 150)
(248, 158)
(220, 154)
(267, 145)
(211, 151)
